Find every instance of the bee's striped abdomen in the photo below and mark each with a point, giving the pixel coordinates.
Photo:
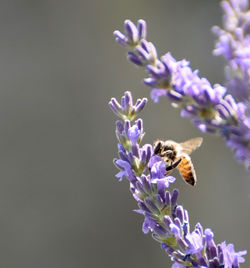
(186, 169)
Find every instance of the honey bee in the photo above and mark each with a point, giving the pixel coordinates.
(177, 155)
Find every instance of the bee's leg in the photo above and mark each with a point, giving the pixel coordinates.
(174, 165)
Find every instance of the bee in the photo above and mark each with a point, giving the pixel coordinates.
(177, 155)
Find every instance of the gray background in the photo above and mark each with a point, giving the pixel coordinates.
(60, 204)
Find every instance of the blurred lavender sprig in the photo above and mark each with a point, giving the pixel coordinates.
(211, 108)
(167, 221)
(234, 44)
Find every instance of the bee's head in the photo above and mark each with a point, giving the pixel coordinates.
(169, 150)
(165, 149)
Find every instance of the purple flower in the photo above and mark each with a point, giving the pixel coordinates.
(158, 172)
(195, 242)
(134, 134)
(167, 221)
(207, 105)
(234, 44)
(133, 33)
(157, 166)
(231, 258)
(156, 94)
(146, 225)
(126, 170)
(126, 109)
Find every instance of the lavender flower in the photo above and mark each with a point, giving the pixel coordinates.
(234, 44)
(167, 221)
(231, 258)
(211, 108)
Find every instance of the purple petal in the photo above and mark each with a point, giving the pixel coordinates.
(142, 29)
(134, 133)
(156, 94)
(131, 31)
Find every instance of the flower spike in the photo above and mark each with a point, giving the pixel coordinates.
(207, 105)
(167, 221)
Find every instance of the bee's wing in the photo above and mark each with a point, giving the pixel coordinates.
(189, 146)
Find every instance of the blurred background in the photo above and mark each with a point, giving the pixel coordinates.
(60, 203)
